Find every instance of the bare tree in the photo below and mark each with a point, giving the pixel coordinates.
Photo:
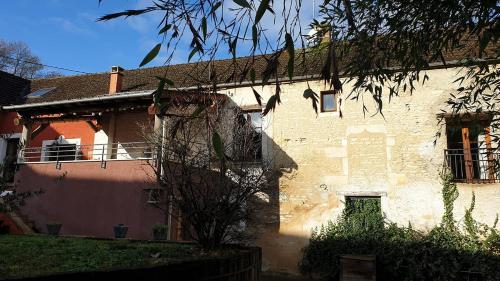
(17, 58)
(49, 74)
(210, 169)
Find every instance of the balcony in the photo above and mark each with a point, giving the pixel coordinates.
(96, 152)
(473, 166)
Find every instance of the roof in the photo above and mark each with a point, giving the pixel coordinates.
(12, 88)
(226, 72)
(183, 75)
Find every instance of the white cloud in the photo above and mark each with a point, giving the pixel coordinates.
(72, 27)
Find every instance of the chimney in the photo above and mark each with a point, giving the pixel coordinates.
(115, 80)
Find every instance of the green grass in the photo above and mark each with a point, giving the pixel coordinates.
(33, 255)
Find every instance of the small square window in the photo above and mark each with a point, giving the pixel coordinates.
(328, 101)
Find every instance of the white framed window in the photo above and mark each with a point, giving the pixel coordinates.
(61, 149)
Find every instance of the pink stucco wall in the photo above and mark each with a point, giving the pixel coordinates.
(90, 200)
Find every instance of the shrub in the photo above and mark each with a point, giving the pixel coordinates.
(447, 252)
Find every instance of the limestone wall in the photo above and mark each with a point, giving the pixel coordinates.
(325, 158)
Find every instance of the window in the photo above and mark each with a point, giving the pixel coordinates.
(328, 101)
(248, 136)
(39, 93)
(61, 149)
(363, 212)
(470, 155)
(154, 195)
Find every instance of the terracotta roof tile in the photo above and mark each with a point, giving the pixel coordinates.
(184, 75)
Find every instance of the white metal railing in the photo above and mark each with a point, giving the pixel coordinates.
(74, 152)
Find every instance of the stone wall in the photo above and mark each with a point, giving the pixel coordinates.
(325, 158)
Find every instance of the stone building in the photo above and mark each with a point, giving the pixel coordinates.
(325, 159)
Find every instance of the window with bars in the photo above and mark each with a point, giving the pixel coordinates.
(470, 154)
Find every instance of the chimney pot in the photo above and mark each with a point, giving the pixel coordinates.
(115, 80)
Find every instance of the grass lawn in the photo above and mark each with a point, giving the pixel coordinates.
(33, 255)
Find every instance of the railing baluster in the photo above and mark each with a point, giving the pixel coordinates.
(480, 165)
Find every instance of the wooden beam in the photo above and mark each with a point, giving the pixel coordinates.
(39, 129)
(489, 151)
(469, 173)
(26, 134)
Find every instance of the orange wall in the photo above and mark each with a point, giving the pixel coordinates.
(70, 130)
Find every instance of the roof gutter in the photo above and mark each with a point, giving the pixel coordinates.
(125, 95)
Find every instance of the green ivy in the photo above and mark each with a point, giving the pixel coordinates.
(447, 252)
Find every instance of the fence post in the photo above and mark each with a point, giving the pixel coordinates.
(103, 163)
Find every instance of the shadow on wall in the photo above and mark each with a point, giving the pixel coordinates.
(89, 200)
(279, 250)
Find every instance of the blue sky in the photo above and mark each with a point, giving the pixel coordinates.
(65, 33)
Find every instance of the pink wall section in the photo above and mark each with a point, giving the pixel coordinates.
(89, 200)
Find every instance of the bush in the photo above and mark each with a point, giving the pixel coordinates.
(447, 252)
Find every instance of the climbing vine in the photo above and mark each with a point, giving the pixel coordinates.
(453, 250)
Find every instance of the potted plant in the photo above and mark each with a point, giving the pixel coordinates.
(160, 231)
(120, 230)
(53, 228)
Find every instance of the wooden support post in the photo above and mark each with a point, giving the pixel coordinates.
(469, 173)
(25, 140)
(111, 136)
(26, 134)
(489, 151)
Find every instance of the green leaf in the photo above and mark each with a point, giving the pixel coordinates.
(165, 28)
(257, 96)
(198, 111)
(264, 4)
(217, 144)
(159, 91)
(242, 3)
(252, 75)
(165, 80)
(291, 54)
(194, 51)
(254, 36)
(271, 104)
(310, 94)
(204, 27)
(151, 55)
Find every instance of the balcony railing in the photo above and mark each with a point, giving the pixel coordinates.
(73, 152)
(474, 166)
